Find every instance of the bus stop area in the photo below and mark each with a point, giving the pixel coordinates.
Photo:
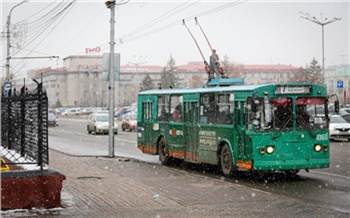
(123, 187)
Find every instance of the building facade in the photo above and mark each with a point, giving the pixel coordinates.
(79, 83)
(337, 80)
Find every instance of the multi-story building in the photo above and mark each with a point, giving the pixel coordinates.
(80, 82)
(337, 80)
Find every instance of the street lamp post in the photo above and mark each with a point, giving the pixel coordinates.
(111, 5)
(321, 22)
(8, 57)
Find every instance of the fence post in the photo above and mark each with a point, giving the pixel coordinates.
(40, 127)
(9, 120)
(23, 119)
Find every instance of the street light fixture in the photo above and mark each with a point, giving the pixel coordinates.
(8, 57)
(321, 22)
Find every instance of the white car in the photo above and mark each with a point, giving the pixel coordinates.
(99, 123)
(339, 128)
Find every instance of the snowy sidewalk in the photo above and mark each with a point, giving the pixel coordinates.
(122, 187)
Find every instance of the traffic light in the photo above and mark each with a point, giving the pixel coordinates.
(336, 106)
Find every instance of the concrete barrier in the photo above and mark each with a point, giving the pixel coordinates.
(29, 189)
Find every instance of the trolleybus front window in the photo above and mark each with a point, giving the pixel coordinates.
(270, 114)
(311, 113)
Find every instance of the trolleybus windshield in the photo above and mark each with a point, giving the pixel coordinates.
(276, 114)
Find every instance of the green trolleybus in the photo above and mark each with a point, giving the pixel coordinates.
(273, 127)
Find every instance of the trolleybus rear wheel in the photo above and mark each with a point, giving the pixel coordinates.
(226, 161)
(163, 152)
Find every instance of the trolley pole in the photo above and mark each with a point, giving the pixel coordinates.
(111, 5)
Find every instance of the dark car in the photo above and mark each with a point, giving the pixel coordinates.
(52, 119)
(119, 115)
(129, 122)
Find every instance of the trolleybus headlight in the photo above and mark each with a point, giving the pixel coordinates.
(318, 148)
(270, 149)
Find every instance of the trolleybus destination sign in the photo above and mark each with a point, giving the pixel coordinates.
(293, 89)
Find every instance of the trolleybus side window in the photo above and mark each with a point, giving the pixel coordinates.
(163, 108)
(147, 110)
(176, 108)
(207, 109)
(225, 108)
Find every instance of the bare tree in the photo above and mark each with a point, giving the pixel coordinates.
(196, 81)
(232, 70)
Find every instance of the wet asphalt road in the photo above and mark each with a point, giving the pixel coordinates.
(323, 187)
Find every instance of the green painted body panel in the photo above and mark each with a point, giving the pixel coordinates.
(293, 150)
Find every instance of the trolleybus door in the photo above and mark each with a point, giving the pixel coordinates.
(191, 131)
(241, 129)
(147, 126)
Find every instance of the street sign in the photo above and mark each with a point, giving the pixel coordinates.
(7, 87)
(340, 84)
(105, 66)
(64, 103)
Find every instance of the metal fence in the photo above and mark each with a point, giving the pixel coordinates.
(24, 126)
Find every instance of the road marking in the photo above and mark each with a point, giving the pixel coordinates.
(330, 174)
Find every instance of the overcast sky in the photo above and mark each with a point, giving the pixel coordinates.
(148, 32)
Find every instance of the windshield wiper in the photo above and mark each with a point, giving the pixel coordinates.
(286, 121)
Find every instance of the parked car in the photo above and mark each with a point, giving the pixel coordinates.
(52, 119)
(346, 117)
(339, 128)
(129, 121)
(344, 111)
(53, 111)
(124, 111)
(102, 112)
(71, 111)
(99, 123)
(88, 110)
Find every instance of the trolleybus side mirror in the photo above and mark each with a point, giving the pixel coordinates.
(336, 106)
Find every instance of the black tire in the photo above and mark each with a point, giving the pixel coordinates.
(163, 152)
(95, 131)
(123, 129)
(88, 130)
(291, 172)
(226, 161)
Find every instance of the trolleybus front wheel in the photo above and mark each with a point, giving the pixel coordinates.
(226, 161)
(291, 172)
(163, 152)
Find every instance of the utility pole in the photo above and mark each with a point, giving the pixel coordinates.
(321, 22)
(111, 5)
(8, 24)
